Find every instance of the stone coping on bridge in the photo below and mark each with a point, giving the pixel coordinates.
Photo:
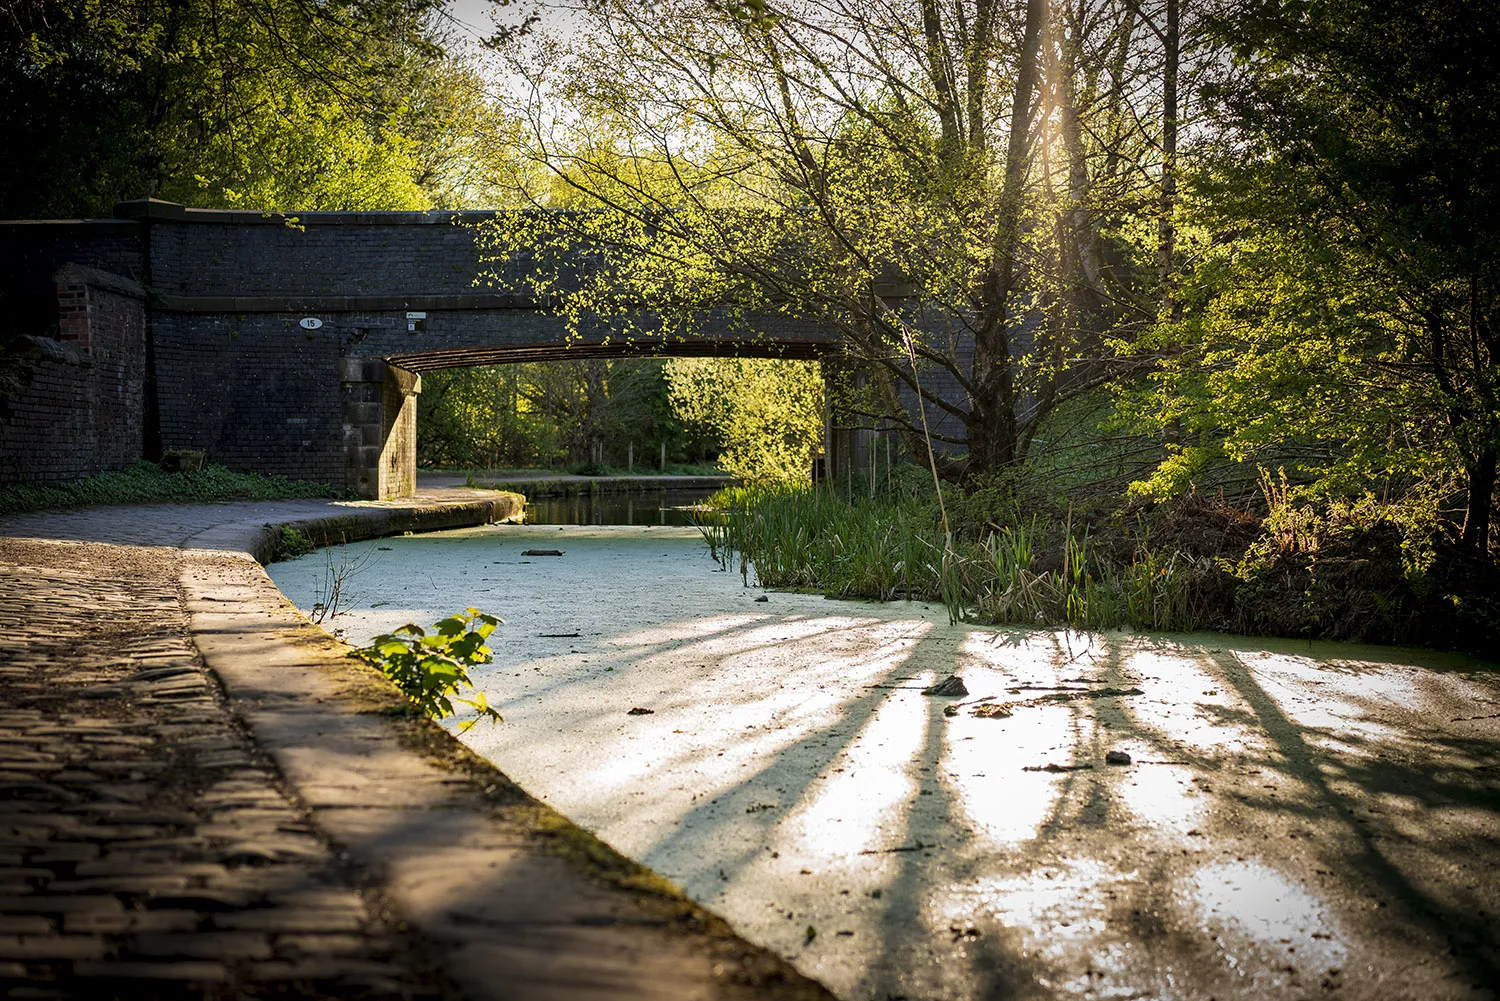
(159, 209)
(514, 900)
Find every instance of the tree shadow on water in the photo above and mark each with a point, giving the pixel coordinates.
(1361, 836)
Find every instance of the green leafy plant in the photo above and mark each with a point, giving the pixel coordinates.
(894, 546)
(289, 543)
(148, 483)
(432, 667)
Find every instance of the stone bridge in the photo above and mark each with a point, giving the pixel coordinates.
(292, 346)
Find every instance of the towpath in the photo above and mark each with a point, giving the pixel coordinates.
(201, 796)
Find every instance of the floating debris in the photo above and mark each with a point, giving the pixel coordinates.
(1057, 768)
(1001, 710)
(541, 552)
(951, 685)
(1098, 693)
(919, 846)
(1047, 688)
(1117, 758)
(638, 711)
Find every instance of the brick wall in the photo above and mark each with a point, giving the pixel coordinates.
(255, 392)
(413, 253)
(78, 405)
(31, 253)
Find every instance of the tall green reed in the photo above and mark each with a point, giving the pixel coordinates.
(891, 546)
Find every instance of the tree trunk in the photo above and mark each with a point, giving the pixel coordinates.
(1166, 232)
(1078, 230)
(992, 421)
(1481, 476)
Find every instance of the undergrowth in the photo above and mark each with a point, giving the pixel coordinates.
(1282, 564)
(892, 546)
(145, 482)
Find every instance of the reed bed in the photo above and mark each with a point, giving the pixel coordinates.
(889, 547)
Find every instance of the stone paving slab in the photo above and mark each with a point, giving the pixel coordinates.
(202, 796)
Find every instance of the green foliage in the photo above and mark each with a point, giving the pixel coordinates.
(290, 542)
(1344, 570)
(147, 483)
(1342, 317)
(552, 414)
(1297, 353)
(767, 413)
(348, 104)
(431, 668)
(889, 547)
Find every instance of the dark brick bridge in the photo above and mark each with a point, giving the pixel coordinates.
(292, 346)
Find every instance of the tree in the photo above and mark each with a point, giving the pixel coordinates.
(955, 184)
(251, 104)
(545, 413)
(1346, 312)
(767, 413)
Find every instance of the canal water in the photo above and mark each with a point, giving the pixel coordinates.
(774, 755)
(634, 507)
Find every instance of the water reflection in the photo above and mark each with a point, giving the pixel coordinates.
(633, 507)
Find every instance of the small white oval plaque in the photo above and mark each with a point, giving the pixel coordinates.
(310, 323)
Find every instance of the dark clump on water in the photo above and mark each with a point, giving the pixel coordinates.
(951, 685)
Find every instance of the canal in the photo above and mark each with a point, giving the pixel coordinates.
(631, 507)
(1293, 813)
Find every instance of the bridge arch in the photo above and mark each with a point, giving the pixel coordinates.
(294, 344)
(380, 410)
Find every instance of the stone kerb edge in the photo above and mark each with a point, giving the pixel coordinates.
(260, 541)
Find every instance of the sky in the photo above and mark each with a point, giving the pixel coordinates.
(474, 16)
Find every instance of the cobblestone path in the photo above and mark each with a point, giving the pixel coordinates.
(147, 849)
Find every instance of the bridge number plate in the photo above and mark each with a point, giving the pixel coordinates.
(310, 323)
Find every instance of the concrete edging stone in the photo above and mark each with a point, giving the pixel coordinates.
(520, 903)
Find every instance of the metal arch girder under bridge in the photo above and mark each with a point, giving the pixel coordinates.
(474, 357)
